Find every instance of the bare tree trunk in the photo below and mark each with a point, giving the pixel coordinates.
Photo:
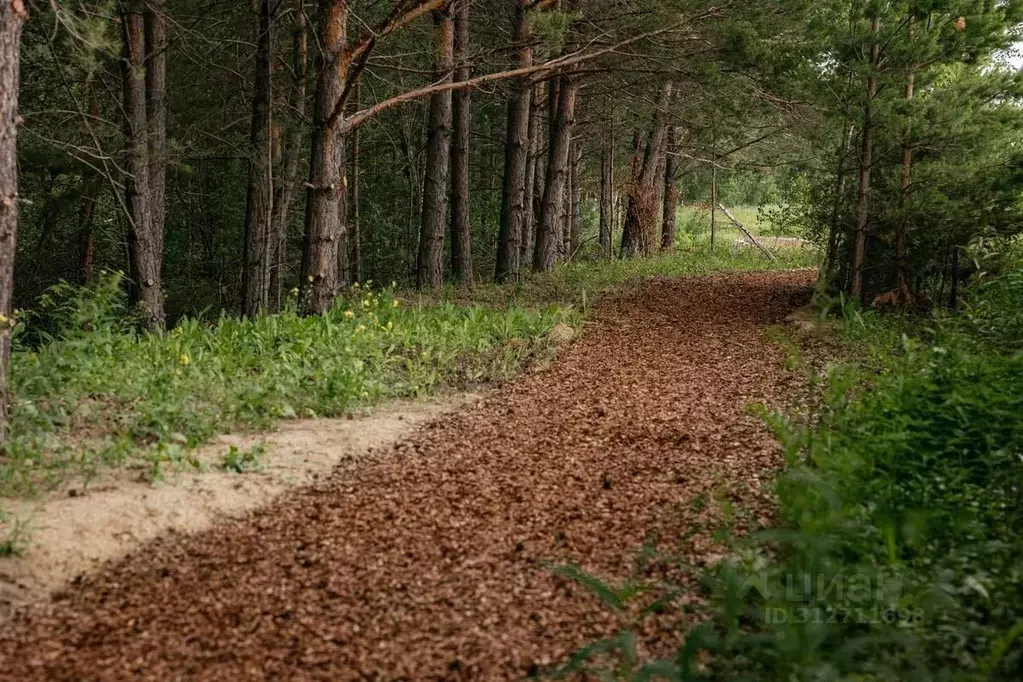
(92, 184)
(901, 249)
(259, 206)
(607, 191)
(430, 265)
(577, 195)
(630, 240)
(516, 155)
(641, 217)
(866, 162)
(355, 209)
(286, 189)
(714, 192)
(156, 113)
(565, 245)
(670, 190)
(836, 209)
(12, 16)
(143, 245)
(326, 165)
(461, 228)
(548, 231)
(533, 184)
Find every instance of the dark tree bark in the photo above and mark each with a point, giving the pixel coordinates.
(534, 178)
(516, 154)
(641, 216)
(905, 185)
(326, 165)
(607, 192)
(670, 190)
(12, 17)
(156, 113)
(144, 254)
(836, 209)
(713, 188)
(259, 205)
(92, 184)
(576, 222)
(355, 207)
(461, 228)
(548, 234)
(285, 189)
(866, 163)
(430, 264)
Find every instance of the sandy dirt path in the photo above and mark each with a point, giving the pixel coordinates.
(427, 561)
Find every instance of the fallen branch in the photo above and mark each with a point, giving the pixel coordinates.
(753, 239)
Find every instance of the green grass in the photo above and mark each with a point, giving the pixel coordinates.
(584, 282)
(91, 393)
(695, 221)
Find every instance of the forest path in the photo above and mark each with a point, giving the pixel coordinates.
(426, 562)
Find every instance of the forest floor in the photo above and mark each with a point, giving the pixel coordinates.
(428, 559)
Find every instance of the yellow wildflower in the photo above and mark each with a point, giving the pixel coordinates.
(395, 303)
(349, 314)
(185, 360)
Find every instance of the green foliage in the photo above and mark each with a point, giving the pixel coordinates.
(239, 461)
(91, 392)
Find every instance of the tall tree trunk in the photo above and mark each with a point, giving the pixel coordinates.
(12, 16)
(670, 190)
(516, 154)
(577, 196)
(326, 165)
(285, 189)
(836, 209)
(430, 265)
(259, 206)
(713, 191)
(355, 210)
(461, 228)
(607, 191)
(566, 224)
(534, 179)
(144, 254)
(156, 114)
(866, 163)
(92, 184)
(641, 217)
(905, 185)
(548, 231)
(630, 240)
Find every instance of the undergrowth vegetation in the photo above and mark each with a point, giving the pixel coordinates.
(896, 552)
(92, 392)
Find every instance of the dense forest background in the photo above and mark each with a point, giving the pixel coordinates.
(781, 98)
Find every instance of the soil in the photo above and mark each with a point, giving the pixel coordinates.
(76, 529)
(428, 560)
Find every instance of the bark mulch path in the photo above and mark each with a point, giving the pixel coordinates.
(427, 562)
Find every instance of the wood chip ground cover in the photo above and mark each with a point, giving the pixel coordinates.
(427, 562)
